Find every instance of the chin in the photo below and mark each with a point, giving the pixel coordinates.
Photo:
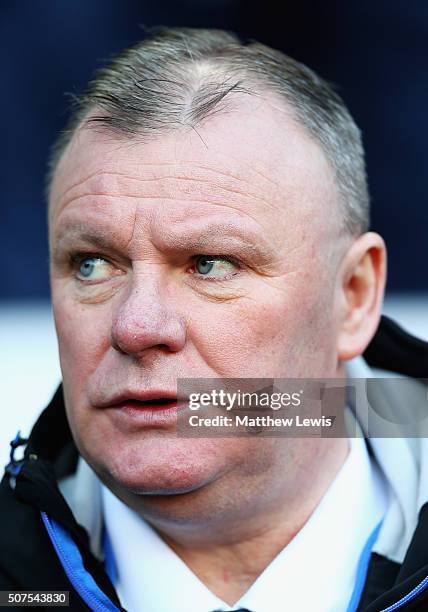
(166, 473)
(157, 483)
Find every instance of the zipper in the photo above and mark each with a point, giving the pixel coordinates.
(413, 593)
(71, 560)
(15, 465)
(65, 547)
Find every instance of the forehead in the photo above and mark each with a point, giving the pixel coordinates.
(255, 160)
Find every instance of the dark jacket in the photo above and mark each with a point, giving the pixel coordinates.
(42, 547)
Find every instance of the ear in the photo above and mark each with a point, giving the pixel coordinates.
(362, 278)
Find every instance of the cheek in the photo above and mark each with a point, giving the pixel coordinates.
(238, 338)
(285, 333)
(82, 332)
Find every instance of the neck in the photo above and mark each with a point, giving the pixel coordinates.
(231, 559)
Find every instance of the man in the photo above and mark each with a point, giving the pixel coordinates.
(208, 217)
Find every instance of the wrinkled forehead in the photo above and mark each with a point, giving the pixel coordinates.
(254, 155)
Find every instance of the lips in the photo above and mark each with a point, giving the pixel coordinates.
(159, 403)
(132, 410)
(147, 399)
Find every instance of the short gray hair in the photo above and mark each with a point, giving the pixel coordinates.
(180, 76)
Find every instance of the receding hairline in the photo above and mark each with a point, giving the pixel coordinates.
(197, 74)
(240, 104)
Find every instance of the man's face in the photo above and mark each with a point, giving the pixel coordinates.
(136, 305)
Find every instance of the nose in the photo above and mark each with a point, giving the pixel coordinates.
(146, 318)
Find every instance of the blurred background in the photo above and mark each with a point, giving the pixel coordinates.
(376, 53)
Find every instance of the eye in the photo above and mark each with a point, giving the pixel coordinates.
(215, 268)
(93, 269)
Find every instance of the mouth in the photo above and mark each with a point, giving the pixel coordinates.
(158, 403)
(137, 409)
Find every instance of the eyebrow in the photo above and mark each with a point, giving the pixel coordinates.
(70, 234)
(219, 235)
(215, 235)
